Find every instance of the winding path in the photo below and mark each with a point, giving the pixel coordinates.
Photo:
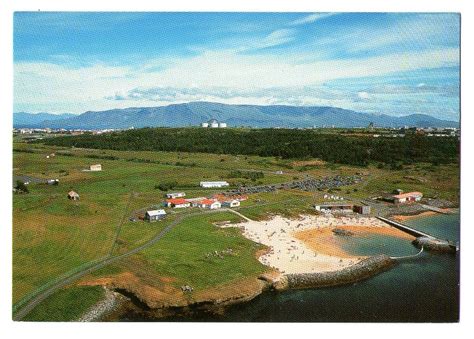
(31, 304)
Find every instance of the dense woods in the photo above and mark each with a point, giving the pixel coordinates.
(284, 143)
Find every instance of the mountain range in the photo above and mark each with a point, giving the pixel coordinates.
(193, 113)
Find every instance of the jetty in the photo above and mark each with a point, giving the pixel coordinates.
(405, 228)
(424, 240)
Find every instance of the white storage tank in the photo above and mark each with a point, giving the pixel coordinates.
(213, 123)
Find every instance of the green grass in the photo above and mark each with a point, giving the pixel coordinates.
(67, 304)
(181, 254)
(53, 236)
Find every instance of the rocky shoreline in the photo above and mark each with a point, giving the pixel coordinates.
(111, 301)
(364, 269)
(359, 271)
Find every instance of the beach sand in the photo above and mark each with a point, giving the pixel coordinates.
(402, 218)
(293, 251)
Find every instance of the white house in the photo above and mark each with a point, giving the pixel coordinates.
(178, 203)
(175, 195)
(407, 197)
(210, 204)
(96, 167)
(155, 215)
(231, 203)
(211, 184)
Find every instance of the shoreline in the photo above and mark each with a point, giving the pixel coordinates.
(405, 217)
(292, 260)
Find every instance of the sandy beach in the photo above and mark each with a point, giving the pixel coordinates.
(306, 245)
(402, 218)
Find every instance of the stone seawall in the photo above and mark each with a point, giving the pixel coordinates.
(362, 270)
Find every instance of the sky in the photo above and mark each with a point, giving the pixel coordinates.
(383, 63)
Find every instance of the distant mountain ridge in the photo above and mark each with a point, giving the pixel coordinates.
(23, 119)
(193, 113)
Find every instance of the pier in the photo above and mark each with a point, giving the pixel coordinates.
(406, 228)
(424, 240)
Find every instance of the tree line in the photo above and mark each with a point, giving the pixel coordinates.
(283, 143)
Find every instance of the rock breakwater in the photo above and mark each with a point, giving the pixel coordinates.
(359, 271)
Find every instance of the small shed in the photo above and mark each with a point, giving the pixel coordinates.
(362, 209)
(96, 167)
(73, 195)
(154, 215)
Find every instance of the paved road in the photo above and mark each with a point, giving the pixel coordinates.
(107, 261)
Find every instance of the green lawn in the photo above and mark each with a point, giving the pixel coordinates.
(181, 254)
(58, 307)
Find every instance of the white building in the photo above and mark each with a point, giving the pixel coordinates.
(178, 203)
(222, 125)
(210, 204)
(213, 184)
(205, 124)
(155, 215)
(231, 203)
(195, 201)
(175, 195)
(96, 167)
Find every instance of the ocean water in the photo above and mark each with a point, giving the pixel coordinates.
(423, 289)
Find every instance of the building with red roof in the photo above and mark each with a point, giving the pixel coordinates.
(209, 203)
(177, 203)
(407, 197)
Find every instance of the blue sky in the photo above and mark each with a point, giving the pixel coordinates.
(395, 64)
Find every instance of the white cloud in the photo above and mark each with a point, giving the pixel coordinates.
(363, 95)
(246, 78)
(311, 18)
(278, 37)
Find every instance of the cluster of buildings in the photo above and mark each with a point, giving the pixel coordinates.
(179, 200)
(213, 123)
(428, 131)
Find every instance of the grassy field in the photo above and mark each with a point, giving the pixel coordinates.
(58, 306)
(53, 236)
